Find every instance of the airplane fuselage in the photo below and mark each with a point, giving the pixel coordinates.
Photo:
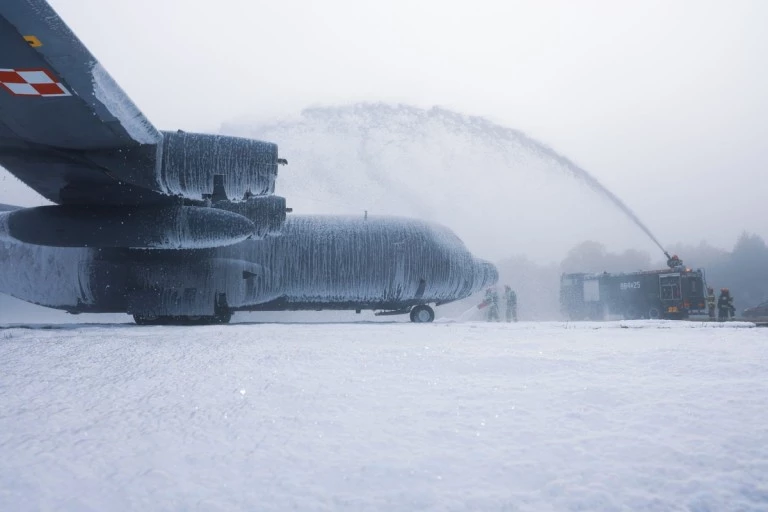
(316, 262)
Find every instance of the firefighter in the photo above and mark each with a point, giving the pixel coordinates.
(674, 261)
(510, 298)
(711, 302)
(492, 300)
(725, 307)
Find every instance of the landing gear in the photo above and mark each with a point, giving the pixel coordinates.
(146, 320)
(221, 315)
(422, 314)
(219, 318)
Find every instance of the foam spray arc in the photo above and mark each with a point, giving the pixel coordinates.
(591, 182)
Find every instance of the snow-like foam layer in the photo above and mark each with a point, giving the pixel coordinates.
(49, 276)
(119, 105)
(383, 417)
(5, 234)
(619, 324)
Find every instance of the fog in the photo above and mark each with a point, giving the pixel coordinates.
(664, 103)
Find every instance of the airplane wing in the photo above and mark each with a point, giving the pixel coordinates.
(70, 132)
(58, 107)
(54, 92)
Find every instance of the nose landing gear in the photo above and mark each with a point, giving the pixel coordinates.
(422, 314)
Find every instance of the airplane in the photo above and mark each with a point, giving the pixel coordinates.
(178, 228)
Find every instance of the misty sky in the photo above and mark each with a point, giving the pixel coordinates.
(664, 101)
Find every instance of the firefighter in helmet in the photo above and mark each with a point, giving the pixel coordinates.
(725, 307)
(674, 261)
(492, 300)
(510, 299)
(711, 303)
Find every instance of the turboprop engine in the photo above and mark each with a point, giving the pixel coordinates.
(191, 161)
(187, 164)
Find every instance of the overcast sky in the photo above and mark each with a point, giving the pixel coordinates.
(666, 102)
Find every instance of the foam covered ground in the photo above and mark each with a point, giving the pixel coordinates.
(385, 416)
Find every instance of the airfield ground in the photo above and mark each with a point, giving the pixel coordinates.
(385, 416)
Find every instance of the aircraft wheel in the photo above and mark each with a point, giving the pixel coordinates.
(422, 314)
(219, 318)
(223, 317)
(148, 320)
(221, 312)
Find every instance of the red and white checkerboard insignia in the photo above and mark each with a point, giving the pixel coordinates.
(32, 82)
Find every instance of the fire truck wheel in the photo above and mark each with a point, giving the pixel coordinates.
(654, 313)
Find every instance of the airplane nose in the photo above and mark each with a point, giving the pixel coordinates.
(486, 275)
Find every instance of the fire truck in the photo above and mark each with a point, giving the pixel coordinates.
(672, 293)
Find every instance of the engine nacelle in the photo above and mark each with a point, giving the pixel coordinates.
(266, 212)
(188, 163)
